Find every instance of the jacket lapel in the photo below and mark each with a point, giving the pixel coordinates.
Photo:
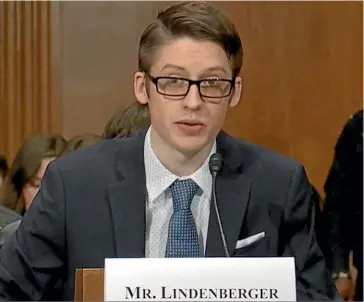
(232, 194)
(127, 199)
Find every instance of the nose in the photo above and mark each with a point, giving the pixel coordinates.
(193, 99)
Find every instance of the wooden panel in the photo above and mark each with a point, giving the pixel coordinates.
(99, 58)
(27, 106)
(303, 77)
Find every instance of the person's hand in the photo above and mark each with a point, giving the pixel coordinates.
(345, 288)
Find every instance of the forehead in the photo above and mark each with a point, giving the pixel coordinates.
(192, 57)
(43, 166)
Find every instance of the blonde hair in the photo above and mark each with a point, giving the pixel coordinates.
(80, 141)
(126, 121)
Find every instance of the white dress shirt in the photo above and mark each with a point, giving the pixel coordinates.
(159, 204)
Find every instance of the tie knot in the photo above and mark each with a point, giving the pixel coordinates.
(183, 192)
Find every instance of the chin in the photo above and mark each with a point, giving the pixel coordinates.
(190, 145)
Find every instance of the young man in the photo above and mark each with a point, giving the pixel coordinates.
(133, 197)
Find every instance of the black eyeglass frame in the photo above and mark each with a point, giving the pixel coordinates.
(190, 83)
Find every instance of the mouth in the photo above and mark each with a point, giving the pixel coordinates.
(190, 122)
(190, 127)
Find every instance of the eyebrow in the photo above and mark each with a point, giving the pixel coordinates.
(36, 178)
(210, 69)
(167, 66)
(216, 68)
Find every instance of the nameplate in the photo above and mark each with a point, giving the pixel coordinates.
(200, 279)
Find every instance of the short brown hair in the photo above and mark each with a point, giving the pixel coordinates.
(80, 141)
(196, 20)
(126, 121)
(26, 165)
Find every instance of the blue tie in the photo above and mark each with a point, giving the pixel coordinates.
(182, 236)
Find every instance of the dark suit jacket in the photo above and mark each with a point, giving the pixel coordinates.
(91, 206)
(9, 222)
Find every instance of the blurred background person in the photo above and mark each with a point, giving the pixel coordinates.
(25, 175)
(80, 141)
(343, 209)
(3, 169)
(126, 121)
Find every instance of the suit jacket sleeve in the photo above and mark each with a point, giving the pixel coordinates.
(7, 231)
(313, 280)
(31, 260)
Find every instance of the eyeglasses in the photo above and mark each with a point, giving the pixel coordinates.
(211, 90)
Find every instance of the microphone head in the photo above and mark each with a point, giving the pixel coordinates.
(215, 163)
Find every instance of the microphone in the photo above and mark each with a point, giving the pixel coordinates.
(215, 165)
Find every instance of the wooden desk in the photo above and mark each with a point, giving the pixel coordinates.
(89, 285)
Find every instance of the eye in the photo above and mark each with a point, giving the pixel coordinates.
(36, 184)
(170, 81)
(210, 82)
(173, 81)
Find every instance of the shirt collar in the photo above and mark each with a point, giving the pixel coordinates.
(159, 178)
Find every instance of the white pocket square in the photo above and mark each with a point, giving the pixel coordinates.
(247, 241)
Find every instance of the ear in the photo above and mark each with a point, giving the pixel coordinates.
(140, 88)
(235, 99)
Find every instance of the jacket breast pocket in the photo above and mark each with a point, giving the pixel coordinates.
(259, 248)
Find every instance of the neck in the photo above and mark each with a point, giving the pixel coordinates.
(179, 163)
